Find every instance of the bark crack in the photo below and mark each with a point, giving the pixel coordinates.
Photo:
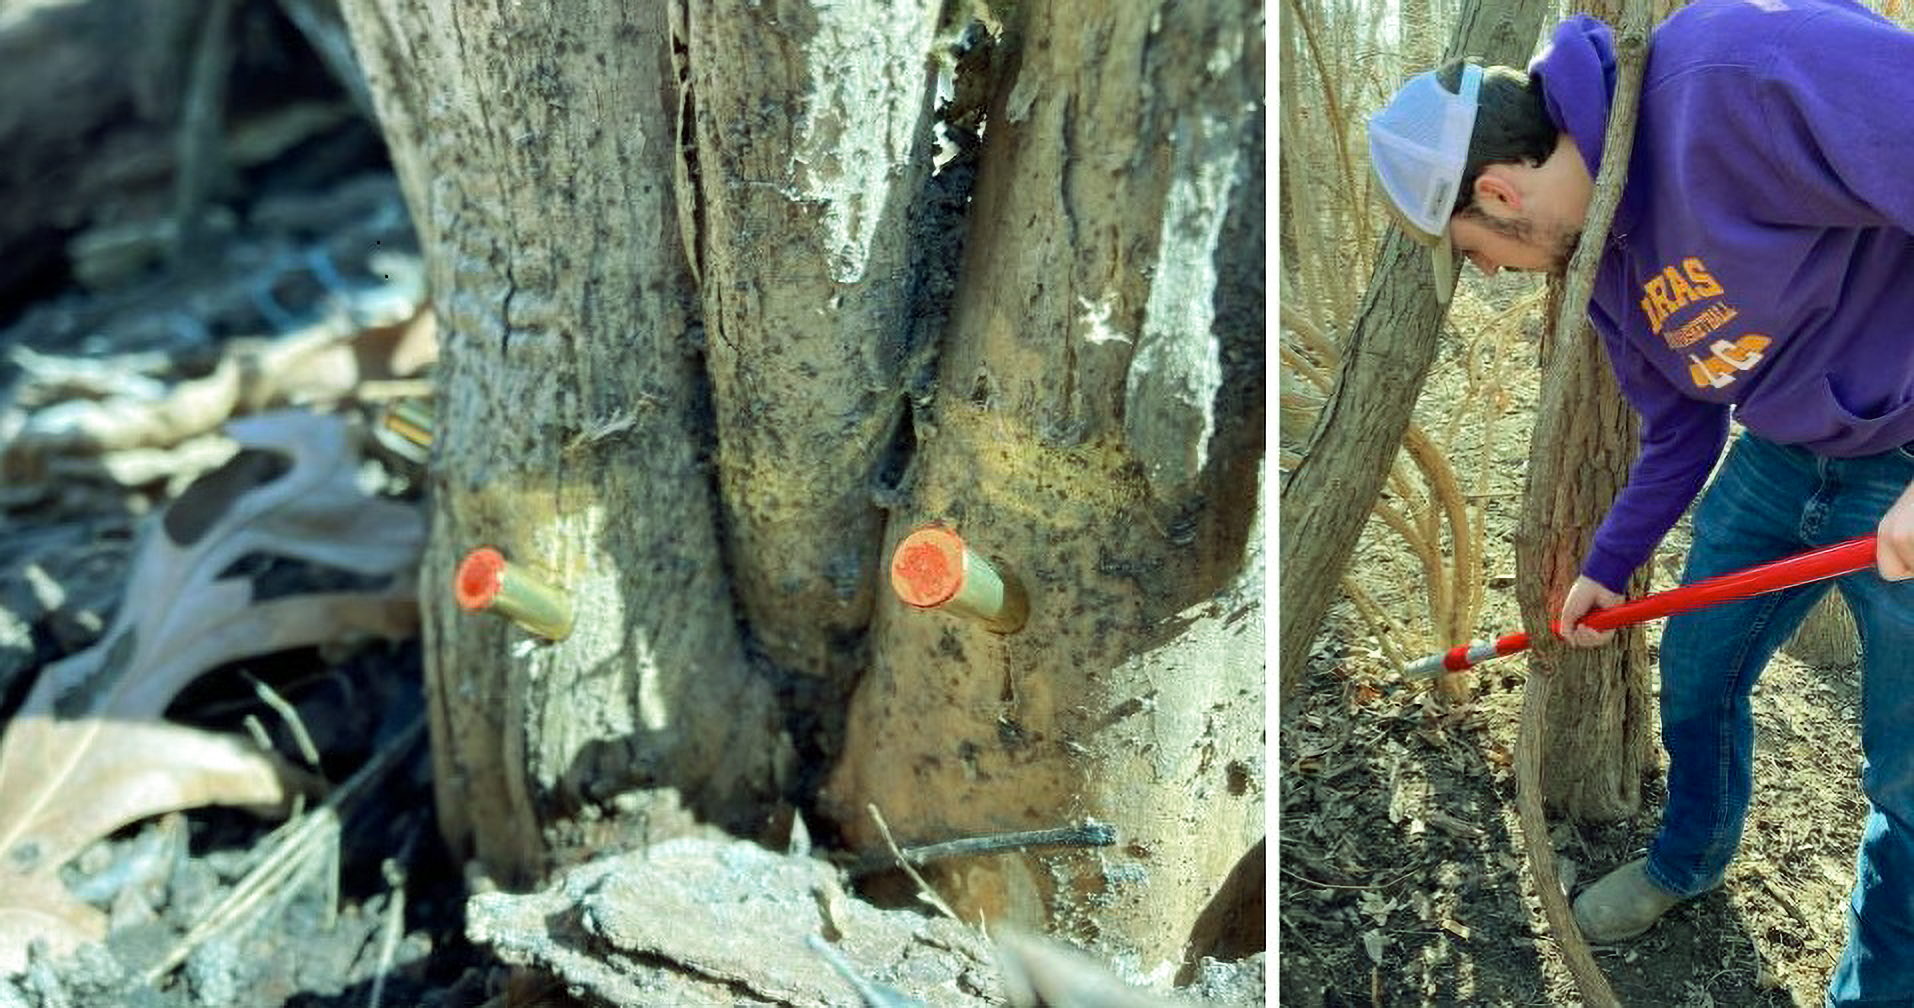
(505, 309)
(688, 190)
(1074, 413)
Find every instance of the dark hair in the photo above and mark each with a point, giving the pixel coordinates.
(1512, 125)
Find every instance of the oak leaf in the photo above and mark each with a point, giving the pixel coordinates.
(88, 752)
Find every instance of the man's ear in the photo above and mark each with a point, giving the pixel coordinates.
(1492, 188)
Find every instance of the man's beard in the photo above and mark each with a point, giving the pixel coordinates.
(1562, 249)
(1560, 243)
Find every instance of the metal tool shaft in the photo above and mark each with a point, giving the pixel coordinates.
(1804, 568)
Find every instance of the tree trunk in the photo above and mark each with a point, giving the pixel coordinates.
(537, 151)
(1415, 35)
(1598, 736)
(1598, 739)
(1327, 497)
(616, 205)
(807, 168)
(1097, 425)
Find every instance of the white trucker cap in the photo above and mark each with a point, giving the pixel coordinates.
(1419, 145)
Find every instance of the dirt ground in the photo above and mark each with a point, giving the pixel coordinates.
(1401, 875)
(1401, 879)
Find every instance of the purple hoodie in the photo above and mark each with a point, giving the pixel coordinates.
(1762, 256)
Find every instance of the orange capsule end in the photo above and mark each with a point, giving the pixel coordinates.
(927, 568)
(480, 578)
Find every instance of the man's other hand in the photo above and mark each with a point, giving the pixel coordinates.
(1894, 539)
(1587, 593)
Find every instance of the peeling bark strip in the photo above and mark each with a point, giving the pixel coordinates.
(812, 123)
(696, 921)
(1173, 378)
(1094, 294)
(536, 151)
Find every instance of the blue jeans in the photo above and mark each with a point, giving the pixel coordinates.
(1768, 501)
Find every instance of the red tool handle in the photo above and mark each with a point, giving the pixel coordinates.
(1804, 568)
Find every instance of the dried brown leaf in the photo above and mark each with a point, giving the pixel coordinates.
(188, 409)
(127, 771)
(82, 411)
(88, 753)
(325, 364)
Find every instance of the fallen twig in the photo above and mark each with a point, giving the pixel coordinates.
(1090, 834)
(925, 892)
(1787, 902)
(394, 871)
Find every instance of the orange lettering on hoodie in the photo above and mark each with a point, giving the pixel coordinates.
(1683, 293)
(1704, 281)
(1657, 305)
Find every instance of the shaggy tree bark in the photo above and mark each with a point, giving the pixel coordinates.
(620, 200)
(1327, 498)
(536, 151)
(1097, 423)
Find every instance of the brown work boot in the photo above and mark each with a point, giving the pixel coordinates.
(1622, 904)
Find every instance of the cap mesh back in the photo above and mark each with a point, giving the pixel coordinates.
(1419, 144)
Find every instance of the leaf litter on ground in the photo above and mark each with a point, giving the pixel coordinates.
(88, 752)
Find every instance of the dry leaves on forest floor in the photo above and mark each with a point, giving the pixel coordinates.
(88, 751)
(1402, 880)
(81, 417)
